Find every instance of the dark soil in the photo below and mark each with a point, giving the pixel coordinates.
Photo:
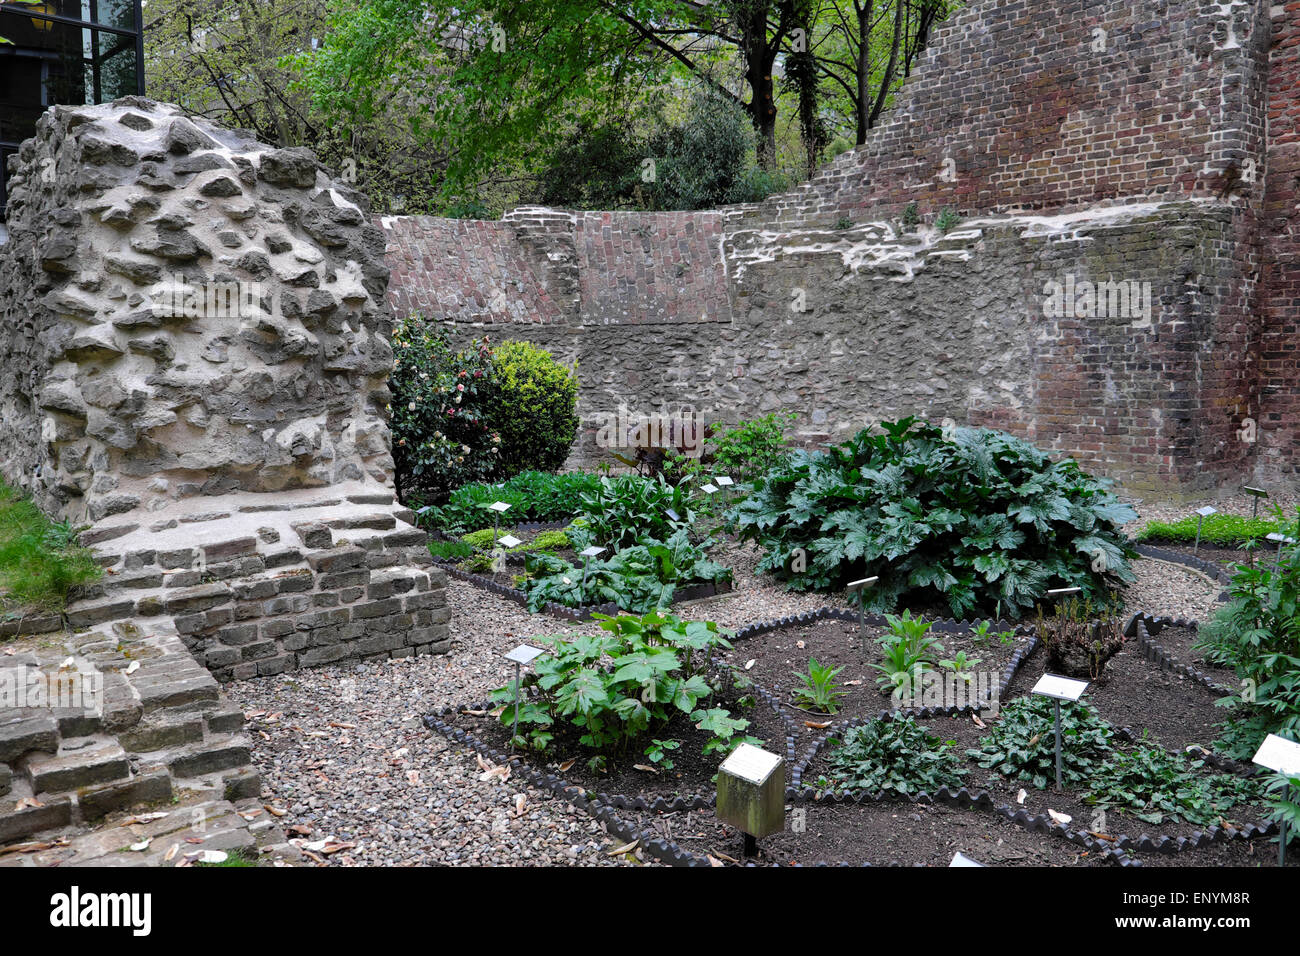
(778, 654)
(1135, 693)
(692, 773)
(880, 834)
(1178, 641)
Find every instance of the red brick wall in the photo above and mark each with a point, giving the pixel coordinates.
(1279, 363)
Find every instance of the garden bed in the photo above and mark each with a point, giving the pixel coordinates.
(690, 777)
(878, 833)
(833, 638)
(1173, 646)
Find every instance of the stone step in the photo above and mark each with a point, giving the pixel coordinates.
(20, 735)
(79, 762)
(217, 753)
(19, 825)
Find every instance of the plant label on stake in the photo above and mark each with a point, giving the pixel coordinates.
(751, 793)
(1064, 592)
(709, 488)
(724, 482)
(961, 859)
(1201, 515)
(1255, 493)
(1281, 756)
(1281, 540)
(587, 555)
(521, 655)
(859, 587)
(1059, 688)
(672, 515)
(509, 541)
(498, 508)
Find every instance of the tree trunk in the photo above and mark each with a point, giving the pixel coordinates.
(862, 65)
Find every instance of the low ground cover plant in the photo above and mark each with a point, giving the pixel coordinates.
(39, 558)
(532, 496)
(1257, 634)
(974, 518)
(1221, 529)
(1145, 780)
(619, 690)
(893, 754)
(637, 578)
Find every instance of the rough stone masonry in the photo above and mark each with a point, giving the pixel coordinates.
(195, 345)
(1145, 147)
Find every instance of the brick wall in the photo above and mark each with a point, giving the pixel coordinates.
(1104, 141)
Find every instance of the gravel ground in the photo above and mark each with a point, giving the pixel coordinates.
(344, 750)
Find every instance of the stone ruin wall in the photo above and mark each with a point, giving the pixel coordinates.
(1087, 138)
(229, 452)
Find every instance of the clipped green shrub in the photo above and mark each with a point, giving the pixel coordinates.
(977, 518)
(532, 408)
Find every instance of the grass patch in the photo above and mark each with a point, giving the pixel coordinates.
(1217, 529)
(39, 558)
(233, 858)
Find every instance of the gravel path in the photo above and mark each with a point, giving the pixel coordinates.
(344, 750)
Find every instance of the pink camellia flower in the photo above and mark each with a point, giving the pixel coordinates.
(460, 388)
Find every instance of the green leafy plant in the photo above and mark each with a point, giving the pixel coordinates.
(961, 665)
(893, 754)
(911, 217)
(1022, 744)
(973, 517)
(1282, 792)
(909, 652)
(1257, 634)
(947, 219)
(483, 538)
(820, 690)
(637, 578)
(531, 406)
(626, 684)
(1156, 785)
(659, 750)
(751, 448)
(548, 541)
(626, 509)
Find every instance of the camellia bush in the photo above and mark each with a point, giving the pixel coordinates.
(975, 518)
(441, 436)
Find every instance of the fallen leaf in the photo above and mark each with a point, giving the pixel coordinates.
(567, 765)
(194, 839)
(713, 860)
(644, 768)
(339, 726)
(729, 859)
(27, 803)
(135, 666)
(171, 854)
(251, 815)
(1102, 836)
(1034, 739)
(817, 725)
(1061, 818)
(521, 801)
(625, 848)
(211, 856)
(799, 644)
(143, 818)
(853, 683)
(413, 776)
(1020, 797)
(141, 846)
(300, 829)
(750, 663)
(976, 719)
(331, 848)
